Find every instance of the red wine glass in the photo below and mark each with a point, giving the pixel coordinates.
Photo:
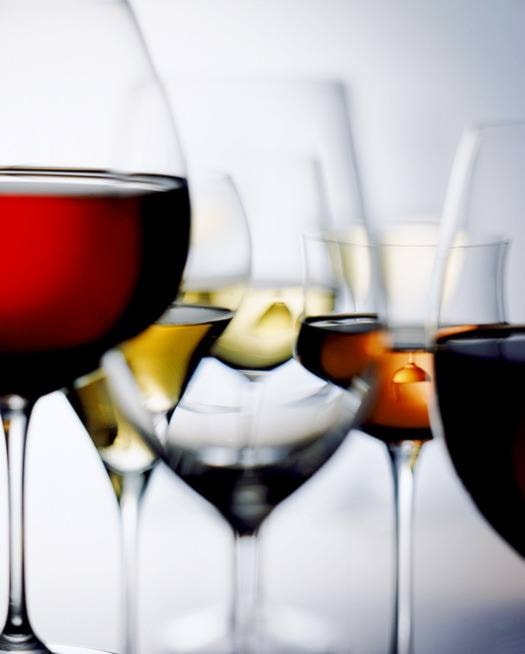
(94, 215)
(480, 364)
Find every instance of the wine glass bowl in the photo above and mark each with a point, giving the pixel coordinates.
(246, 474)
(479, 345)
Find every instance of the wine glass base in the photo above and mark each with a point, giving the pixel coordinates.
(53, 649)
(282, 630)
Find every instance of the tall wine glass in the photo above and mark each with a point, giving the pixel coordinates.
(480, 370)
(377, 329)
(94, 215)
(163, 359)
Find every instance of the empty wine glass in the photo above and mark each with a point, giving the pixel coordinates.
(164, 357)
(245, 465)
(480, 372)
(94, 215)
(305, 116)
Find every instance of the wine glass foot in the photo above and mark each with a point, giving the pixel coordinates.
(280, 629)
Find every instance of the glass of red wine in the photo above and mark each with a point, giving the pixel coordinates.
(94, 217)
(480, 363)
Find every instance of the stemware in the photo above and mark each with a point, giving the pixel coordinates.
(480, 373)
(163, 359)
(95, 213)
(245, 473)
(307, 116)
(376, 330)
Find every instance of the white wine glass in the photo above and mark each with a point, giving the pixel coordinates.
(163, 359)
(94, 214)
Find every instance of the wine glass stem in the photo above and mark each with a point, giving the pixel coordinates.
(403, 457)
(245, 598)
(17, 633)
(133, 486)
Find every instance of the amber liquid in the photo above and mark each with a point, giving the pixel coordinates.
(339, 348)
(480, 383)
(403, 383)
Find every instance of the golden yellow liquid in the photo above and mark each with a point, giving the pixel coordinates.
(162, 358)
(119, 445)
(262, 334)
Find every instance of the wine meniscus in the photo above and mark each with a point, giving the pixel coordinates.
(98, 257)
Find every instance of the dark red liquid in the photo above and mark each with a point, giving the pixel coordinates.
(88, 260)
(480, 381)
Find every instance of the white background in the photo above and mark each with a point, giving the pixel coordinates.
(418, 71)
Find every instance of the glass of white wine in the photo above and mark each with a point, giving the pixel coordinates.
(163, 358)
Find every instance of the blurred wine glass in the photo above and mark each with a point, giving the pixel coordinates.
(163, 358)
(480, 340)
(246, 464)
(376, 330)
(94, 217)
(306, 116)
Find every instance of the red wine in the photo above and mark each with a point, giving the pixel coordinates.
(338, 348)
(480, 381)
(89, 259)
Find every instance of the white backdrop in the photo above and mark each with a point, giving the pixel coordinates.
(418, 71)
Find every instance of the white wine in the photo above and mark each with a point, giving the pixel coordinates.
(162, 358)
(262, 334)
(121, 448)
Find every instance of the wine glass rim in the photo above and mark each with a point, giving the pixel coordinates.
(340, 237)
(335, 236)
(198, 406)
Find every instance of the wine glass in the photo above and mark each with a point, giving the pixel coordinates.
(480, 372)
(94, 215)
(376, 329)
(246, 465)
(272, 116)
(163, 358)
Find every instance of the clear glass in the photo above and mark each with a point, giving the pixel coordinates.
(479, 349)
(245, 459)
(276, 117)
(90, 165)
(163, 358)
(375, 333)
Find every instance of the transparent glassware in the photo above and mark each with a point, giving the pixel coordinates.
(479, 344)
(274, 116)
(90, 166)
(163, 359)
(376, 332)
(246, 460)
